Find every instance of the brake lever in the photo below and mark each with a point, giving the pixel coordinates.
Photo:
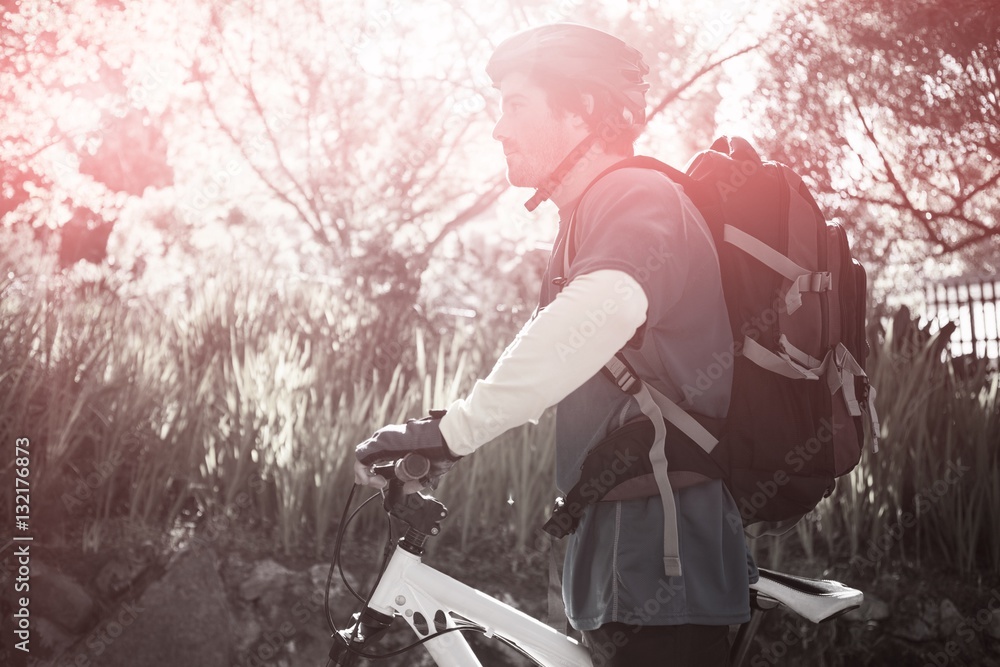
(422, 513)
(410, 468)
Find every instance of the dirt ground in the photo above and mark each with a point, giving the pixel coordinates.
(922, 615)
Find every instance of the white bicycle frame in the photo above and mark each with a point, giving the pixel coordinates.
(432, 602)
(428, 599)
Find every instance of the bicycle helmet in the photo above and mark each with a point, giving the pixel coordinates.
(578, 53)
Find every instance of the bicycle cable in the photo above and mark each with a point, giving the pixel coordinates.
(410, 647)
(387, 552)
(338, 560)
(341, 530)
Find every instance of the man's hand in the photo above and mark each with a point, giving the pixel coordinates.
(416, 436)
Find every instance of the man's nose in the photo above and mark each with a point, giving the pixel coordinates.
(499, 130)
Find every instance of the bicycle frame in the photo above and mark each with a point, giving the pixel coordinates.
(432, 603)
(429, 601)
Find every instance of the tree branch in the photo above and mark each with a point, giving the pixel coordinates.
(278, 192)
(310, 200)
(482, 203)
(897, 186)
(672, 96)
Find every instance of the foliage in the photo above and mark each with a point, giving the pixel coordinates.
(246, 406)
(78, 132)
(332, 168)
(930, 492)
(890, 110)
(248, 400)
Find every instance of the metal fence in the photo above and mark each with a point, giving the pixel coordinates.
(973, 304)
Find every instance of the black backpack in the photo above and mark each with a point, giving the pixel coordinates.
(797, 305)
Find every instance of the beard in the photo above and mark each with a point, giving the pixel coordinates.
(523, 173)
(533, 162)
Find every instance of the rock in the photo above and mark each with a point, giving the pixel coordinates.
(950, 617)
(266, 575)
(916, 630)
(247, 627)
(872, 609)
(52, 638)
(121, 571)
(60, 599)
(289, 607)
(930, 614)
(182, 619)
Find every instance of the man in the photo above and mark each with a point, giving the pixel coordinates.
(642, 275)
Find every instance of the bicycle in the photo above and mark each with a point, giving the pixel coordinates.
(439, 608)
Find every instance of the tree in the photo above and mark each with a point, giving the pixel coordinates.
(891, 110)
(372, 128)
(357, 134)
(76, 135)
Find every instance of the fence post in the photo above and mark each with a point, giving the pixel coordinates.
(973, 303)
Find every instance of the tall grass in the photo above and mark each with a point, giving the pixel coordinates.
(932, 492)
(246, 397)
(250, 387)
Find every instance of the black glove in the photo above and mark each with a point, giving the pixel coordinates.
(416, 436)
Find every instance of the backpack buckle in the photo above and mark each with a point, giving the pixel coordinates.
(821, 282)
(618, 371)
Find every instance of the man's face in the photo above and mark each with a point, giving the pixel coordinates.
(535, 138)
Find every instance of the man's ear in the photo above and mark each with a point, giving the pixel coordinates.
(587, 105)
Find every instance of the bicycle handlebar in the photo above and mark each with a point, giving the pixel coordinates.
(412, 468)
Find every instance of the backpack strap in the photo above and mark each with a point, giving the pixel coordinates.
(802, 279)
(634, 162)
(619, 468)
(839, 367)
(653, 404)
(622, 374)
(657, 407)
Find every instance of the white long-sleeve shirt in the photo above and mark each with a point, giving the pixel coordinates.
(558, 350)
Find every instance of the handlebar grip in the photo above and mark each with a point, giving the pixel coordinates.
(412, 467)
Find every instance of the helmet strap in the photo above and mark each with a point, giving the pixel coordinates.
(555, 179)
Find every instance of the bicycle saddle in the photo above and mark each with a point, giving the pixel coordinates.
(815, 599)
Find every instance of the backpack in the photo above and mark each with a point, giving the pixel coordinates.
(797, 304)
